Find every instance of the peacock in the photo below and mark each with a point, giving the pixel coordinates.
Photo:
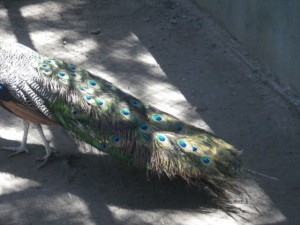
(43, 90)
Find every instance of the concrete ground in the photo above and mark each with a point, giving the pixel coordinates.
(172, 55)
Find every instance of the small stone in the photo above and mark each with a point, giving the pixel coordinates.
(173, 21)
(96, 32)
(212, 46)
(169, 5)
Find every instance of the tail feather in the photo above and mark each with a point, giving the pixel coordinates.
(113, 121)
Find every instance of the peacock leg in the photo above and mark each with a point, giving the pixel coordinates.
(22, 148)
(49, 151)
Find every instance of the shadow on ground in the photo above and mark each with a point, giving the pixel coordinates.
(93, 181)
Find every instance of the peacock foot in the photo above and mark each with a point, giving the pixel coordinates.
(45, 160)
(16, 150)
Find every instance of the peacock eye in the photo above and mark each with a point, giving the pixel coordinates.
(182, 144)
(161, 137)
(1, 87)
(74, 112)
(92, 83)
(125, 112)
(206, 160)
(144, 127)
(116, 139)
(157, 117)
(178, 127)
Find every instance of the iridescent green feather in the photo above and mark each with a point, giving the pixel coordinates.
(111, 120)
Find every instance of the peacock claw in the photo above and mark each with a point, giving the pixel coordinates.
(16, 150)
(44, 160)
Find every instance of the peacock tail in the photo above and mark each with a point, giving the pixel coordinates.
(115, 122)
(102, 115)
